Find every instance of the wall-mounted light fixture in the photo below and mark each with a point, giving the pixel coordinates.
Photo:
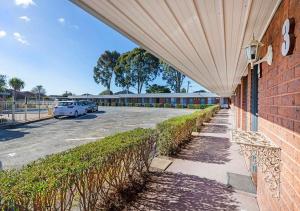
(252, 53)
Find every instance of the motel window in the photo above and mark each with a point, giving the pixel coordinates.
(173, 101)
(202, 101)
(209, 100)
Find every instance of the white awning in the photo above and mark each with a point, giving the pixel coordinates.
(204, 39)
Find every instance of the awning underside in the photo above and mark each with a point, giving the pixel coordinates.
(204, 39)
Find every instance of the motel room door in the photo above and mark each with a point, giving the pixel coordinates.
(254, 98)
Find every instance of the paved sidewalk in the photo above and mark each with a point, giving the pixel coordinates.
(198, 176)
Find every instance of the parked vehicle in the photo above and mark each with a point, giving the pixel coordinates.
(225, 105)
(69, 108)
(90, 106)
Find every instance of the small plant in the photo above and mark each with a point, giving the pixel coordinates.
(167, 105)
(179, 106)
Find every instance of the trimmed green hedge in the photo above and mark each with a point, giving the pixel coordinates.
(158, 105)
(167, 105)
(92, 176)
(176, 131)
(88, 177)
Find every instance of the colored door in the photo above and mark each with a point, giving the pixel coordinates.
(254, 98)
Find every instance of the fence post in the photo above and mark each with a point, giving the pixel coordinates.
(25, 109)
(13, 110)
(39, 105)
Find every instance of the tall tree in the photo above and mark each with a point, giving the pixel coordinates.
(17, 85)
(66, 94)
(155, 88)
(124, 73)
(2, 82)
(38, 90)
(173, 77)
(103, 71)
(106, 92)
(144, 66)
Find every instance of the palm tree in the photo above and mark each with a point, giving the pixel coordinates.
(17, 85)
(38, 90)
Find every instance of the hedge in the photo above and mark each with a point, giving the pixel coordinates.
(176, 131)
(93, 176)
(88, 177)
(167, 105)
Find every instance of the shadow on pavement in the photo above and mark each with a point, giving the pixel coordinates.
(170, 191)
(207, 149)
(7, 134)
(218, 120)
(215, 129)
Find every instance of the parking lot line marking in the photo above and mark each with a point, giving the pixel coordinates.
(11, 154)
(79, 139)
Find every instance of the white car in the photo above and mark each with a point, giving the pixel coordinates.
(69, 108)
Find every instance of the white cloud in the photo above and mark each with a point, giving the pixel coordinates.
(24, 3)
(25, 18)
(61, 20)
(20, 38)
(2, 34)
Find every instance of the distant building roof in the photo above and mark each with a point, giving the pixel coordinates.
(123, 92)
(147, 95)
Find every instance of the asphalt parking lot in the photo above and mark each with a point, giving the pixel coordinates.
(29, 142)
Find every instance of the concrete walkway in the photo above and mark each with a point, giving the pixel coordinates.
(199, 175)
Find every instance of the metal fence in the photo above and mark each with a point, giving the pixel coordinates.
(22, 111)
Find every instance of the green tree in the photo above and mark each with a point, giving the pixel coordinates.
(106, 92)
(157, 89)
(2, 82)
(183, 90)
(144, 66)
(173, 77)
(103, 71)
(66, 94)
(39, 90)
(17, 85)
(123, 72)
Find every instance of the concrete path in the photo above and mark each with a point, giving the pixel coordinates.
(198, 179)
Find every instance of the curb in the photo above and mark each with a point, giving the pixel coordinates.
(11, 126)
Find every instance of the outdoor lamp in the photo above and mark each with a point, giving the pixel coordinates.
(252, 53)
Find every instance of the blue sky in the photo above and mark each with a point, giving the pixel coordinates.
(56, 44)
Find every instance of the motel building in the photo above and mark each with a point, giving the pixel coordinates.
(245, 50)
(155, 99)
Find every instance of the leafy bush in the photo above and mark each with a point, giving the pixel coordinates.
(176, 131)
(167, 105)
(158, 105)
(147, 105)
(88, 177)
(129, 104)
(179, 106)
(138, 104)
(194, 106)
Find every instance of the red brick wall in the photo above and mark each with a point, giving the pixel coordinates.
(238, 105)
(279, 109)
(244, 89)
